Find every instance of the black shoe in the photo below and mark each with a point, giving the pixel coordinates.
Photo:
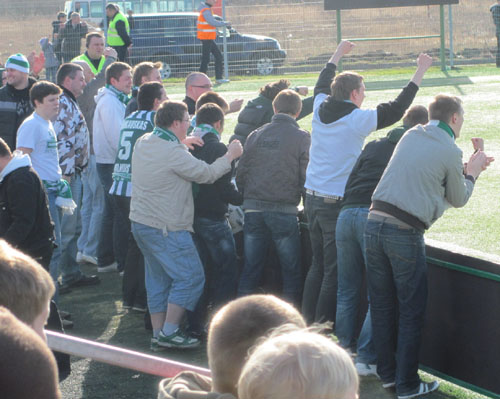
(67, 324)
(65, 315)
(84, 281)
(63, 289)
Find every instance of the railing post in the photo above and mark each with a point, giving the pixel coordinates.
(442, 50)
(339, 36)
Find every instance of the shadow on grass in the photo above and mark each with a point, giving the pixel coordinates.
(455, 81)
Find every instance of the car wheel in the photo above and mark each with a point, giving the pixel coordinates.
(167, 69)
(264, 65)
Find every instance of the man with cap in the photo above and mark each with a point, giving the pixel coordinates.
(15, 103)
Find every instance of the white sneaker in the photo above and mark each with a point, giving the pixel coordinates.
(221, 81)
(423, 388)
(113, 267)
(89, 259)
(365, 369)
(79, 257)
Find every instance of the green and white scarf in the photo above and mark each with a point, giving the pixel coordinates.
(203, 129)
(64, 198)
(124, 98)
(165, 134)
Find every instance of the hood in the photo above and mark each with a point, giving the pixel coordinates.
(332, 110)
(19, 160)
(43, 41)
(103, 92)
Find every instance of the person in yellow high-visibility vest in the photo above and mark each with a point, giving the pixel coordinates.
(118, 31)
(94, 42)
(207, 33)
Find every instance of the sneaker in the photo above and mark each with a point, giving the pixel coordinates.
(126, 305)
(221, 81)
(154, 345)
(387, 385)
(177, 340)
(365, 369)
(65, 315)
(79, 257)
(113, 267)
(89, 259)
(423, 389)
(122, 273)
(67, 324)
(84, 281)
(140, 308)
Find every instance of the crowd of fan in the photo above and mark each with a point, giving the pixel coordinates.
(102, 168)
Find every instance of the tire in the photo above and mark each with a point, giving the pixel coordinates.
(264, 65)
(168, 68)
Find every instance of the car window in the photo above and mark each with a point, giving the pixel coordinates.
(172, 26)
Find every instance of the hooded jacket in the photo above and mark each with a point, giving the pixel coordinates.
(24, 213)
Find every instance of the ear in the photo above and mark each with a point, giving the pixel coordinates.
(218, 126)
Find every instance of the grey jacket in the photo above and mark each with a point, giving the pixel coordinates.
(424, 177)
(272, 169)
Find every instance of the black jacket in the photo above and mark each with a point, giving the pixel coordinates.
(369, 169)
(25, 221)
(212, 199)
(15, 107)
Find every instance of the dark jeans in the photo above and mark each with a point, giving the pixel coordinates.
(351, 273)
(397, 283)
(121, 52)
(282, 228)
(320, 291)
(134, 288)
(207, 47)
(113, 240)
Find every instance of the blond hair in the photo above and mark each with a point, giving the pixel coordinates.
(236, 328)
(25, 286)
(298, 365)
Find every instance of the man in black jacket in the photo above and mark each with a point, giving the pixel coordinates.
(350, 243)
(15, 104)
(214, 238)
(271, 175)
(71, 36)
(24, 213)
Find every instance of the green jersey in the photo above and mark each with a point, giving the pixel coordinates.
(133, 127)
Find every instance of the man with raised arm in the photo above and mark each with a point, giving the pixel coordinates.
(339, 129)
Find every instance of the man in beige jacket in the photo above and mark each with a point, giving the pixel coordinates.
(162, 213)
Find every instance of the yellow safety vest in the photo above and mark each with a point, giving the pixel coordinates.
(205, 30)
(113, 38)
(83, 57)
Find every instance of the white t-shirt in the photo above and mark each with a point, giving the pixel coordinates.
(39, 135)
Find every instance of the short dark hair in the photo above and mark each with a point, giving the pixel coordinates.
(147, 94)
(287, 102)
(212, 97)
(209, 114)
(42, 89)
(144, 69)
(115, 71)
(61, 14)
(169, 112)
(69, 69)
(271, 90)
(4, 149)
(416, 115)
(344, 84)
(444, 106)
(74, 14)
(90, 36)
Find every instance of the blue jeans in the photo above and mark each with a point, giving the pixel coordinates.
(174, 273)
(351, 271)
(92, 209)
(217, 242)
(71, 226)
(113, 241)
(320, 290)
(283, 229)
(56, 215)
(397, 283)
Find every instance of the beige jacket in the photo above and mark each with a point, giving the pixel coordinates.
(162, 194)
(189, 385)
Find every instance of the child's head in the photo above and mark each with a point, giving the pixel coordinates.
(212, 97)
(298, 365)
(210, 114)
(45, 98)
(287, 102)
(30, 370)
(234, 330)
(25, 287)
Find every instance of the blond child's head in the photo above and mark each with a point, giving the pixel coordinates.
(25, 287)
(298, 365)
(236, 328)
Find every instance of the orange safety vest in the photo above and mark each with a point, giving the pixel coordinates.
(205, 30)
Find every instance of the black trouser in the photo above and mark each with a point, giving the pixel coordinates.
(122, 52)
(498, 49)
(207, 47)
(134, 289)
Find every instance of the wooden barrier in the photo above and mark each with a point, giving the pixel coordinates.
(118, 357)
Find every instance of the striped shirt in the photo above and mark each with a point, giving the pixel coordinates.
(133, 127)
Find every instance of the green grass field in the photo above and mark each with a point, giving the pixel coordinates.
(97, 311)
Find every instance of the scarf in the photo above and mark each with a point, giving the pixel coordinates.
(64, 198)
(447, 129)
(124, 98)
(203, 129)
(165, 134)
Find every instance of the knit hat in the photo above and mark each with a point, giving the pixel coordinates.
(19, 62)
